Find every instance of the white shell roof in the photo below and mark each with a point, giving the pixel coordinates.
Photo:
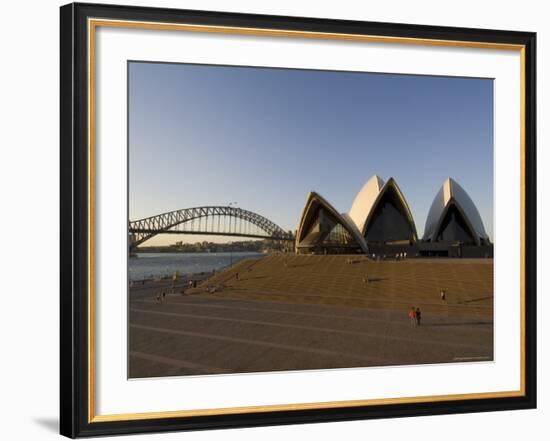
(343, 218)
(448, 191)
(365, 199)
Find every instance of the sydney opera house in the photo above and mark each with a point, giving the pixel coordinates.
(380, 222)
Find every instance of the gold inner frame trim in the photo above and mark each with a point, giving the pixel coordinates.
(300, 406)
(92, 25)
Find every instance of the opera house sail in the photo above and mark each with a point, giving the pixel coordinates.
(382, 214)
(454, 218)
(323, 230)
(380, 223)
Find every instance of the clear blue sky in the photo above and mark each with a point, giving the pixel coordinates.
(208, 135)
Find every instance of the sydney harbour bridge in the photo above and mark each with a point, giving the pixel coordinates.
(208, 220)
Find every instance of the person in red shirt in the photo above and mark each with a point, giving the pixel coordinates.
(412, 316)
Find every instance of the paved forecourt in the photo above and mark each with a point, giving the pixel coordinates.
(315, 312)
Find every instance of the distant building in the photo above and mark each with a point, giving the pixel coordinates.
(380, 222)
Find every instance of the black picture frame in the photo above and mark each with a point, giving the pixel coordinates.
(75, 420)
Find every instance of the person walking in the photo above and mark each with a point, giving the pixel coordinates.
(418, 315)
(412, 316)
(442, 294)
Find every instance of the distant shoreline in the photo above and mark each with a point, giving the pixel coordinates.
(196, 252)
(162, 266)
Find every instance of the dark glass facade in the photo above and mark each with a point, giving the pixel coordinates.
(454, 228)
(389, 221)
(323, 231)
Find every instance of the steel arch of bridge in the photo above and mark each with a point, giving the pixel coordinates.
(218, 220)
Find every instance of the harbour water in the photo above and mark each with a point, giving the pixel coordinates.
(152, 265)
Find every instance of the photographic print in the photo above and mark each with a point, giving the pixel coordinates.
(295, 219)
